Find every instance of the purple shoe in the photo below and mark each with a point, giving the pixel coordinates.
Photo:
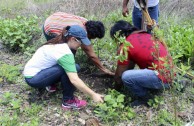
(73, 104)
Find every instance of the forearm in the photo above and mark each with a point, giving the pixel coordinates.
(97, 62)
(82, 87)
(92, 56)
(125, 2)
(118, 74)
(79, 84)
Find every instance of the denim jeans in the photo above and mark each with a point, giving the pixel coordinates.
(137, 15)
(140, 81)
(51, 76)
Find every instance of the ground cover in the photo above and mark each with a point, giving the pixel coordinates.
(22, 105)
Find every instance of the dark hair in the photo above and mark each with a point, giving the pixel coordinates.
(123, 27)
(95, 29)
(62, 38)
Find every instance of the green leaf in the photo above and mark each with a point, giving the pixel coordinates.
(107, 97)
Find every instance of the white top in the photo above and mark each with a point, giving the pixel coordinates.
(48, 56)
(151, 3)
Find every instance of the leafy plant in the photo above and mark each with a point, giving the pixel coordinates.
(156, 101)
(113, 108)
(33, 110)
(17, 33)
(8, 73)
(7, 120)
(123, 54)
(6, 98)
(181, 36)
(165, 118)
(13, 111)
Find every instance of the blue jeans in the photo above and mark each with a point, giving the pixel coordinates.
(140, 81)
(137, 15)
(51, 76)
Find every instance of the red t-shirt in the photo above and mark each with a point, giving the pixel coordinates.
(150, 54)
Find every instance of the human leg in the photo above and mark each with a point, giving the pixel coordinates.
(46, 77)
(154, 12)
(53, 88)
(53, 75)
(69, 101)
(140, 81)
(137, 17)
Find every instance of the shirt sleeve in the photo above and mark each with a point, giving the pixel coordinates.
(68, 63)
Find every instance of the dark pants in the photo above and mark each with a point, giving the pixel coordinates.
(137, 15)
(51, 76)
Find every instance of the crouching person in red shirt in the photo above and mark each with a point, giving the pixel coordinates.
(152, 57)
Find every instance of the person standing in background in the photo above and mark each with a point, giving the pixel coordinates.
(153, 9)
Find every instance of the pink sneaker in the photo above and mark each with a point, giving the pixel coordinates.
(73, 104)
(51, 88)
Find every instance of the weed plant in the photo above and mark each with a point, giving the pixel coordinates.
(8, 73)
(15, 114)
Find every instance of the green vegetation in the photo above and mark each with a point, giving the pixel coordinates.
(22, 33)
(17, 33)
(156, 101)
(8, 73)
(167, 118)
(181, 35)
(113, 109)
(16, 113)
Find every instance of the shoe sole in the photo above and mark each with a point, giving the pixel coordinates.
(51, 91)
(73, 108)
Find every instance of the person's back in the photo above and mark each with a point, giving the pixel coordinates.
(144, 47)
(55, 23)
(149, 54)
(45, 57)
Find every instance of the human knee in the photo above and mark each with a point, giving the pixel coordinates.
(125, 77)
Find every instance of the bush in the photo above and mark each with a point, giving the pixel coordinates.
(180, 39)
(17, 33)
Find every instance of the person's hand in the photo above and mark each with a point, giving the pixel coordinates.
(97, 97)
(109, 72)
(125, 11)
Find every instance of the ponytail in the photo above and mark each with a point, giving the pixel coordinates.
(62, 38)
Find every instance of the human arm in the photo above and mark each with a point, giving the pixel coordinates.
(79, 84)
(91, 54)
(125, 10)
(119, 71)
